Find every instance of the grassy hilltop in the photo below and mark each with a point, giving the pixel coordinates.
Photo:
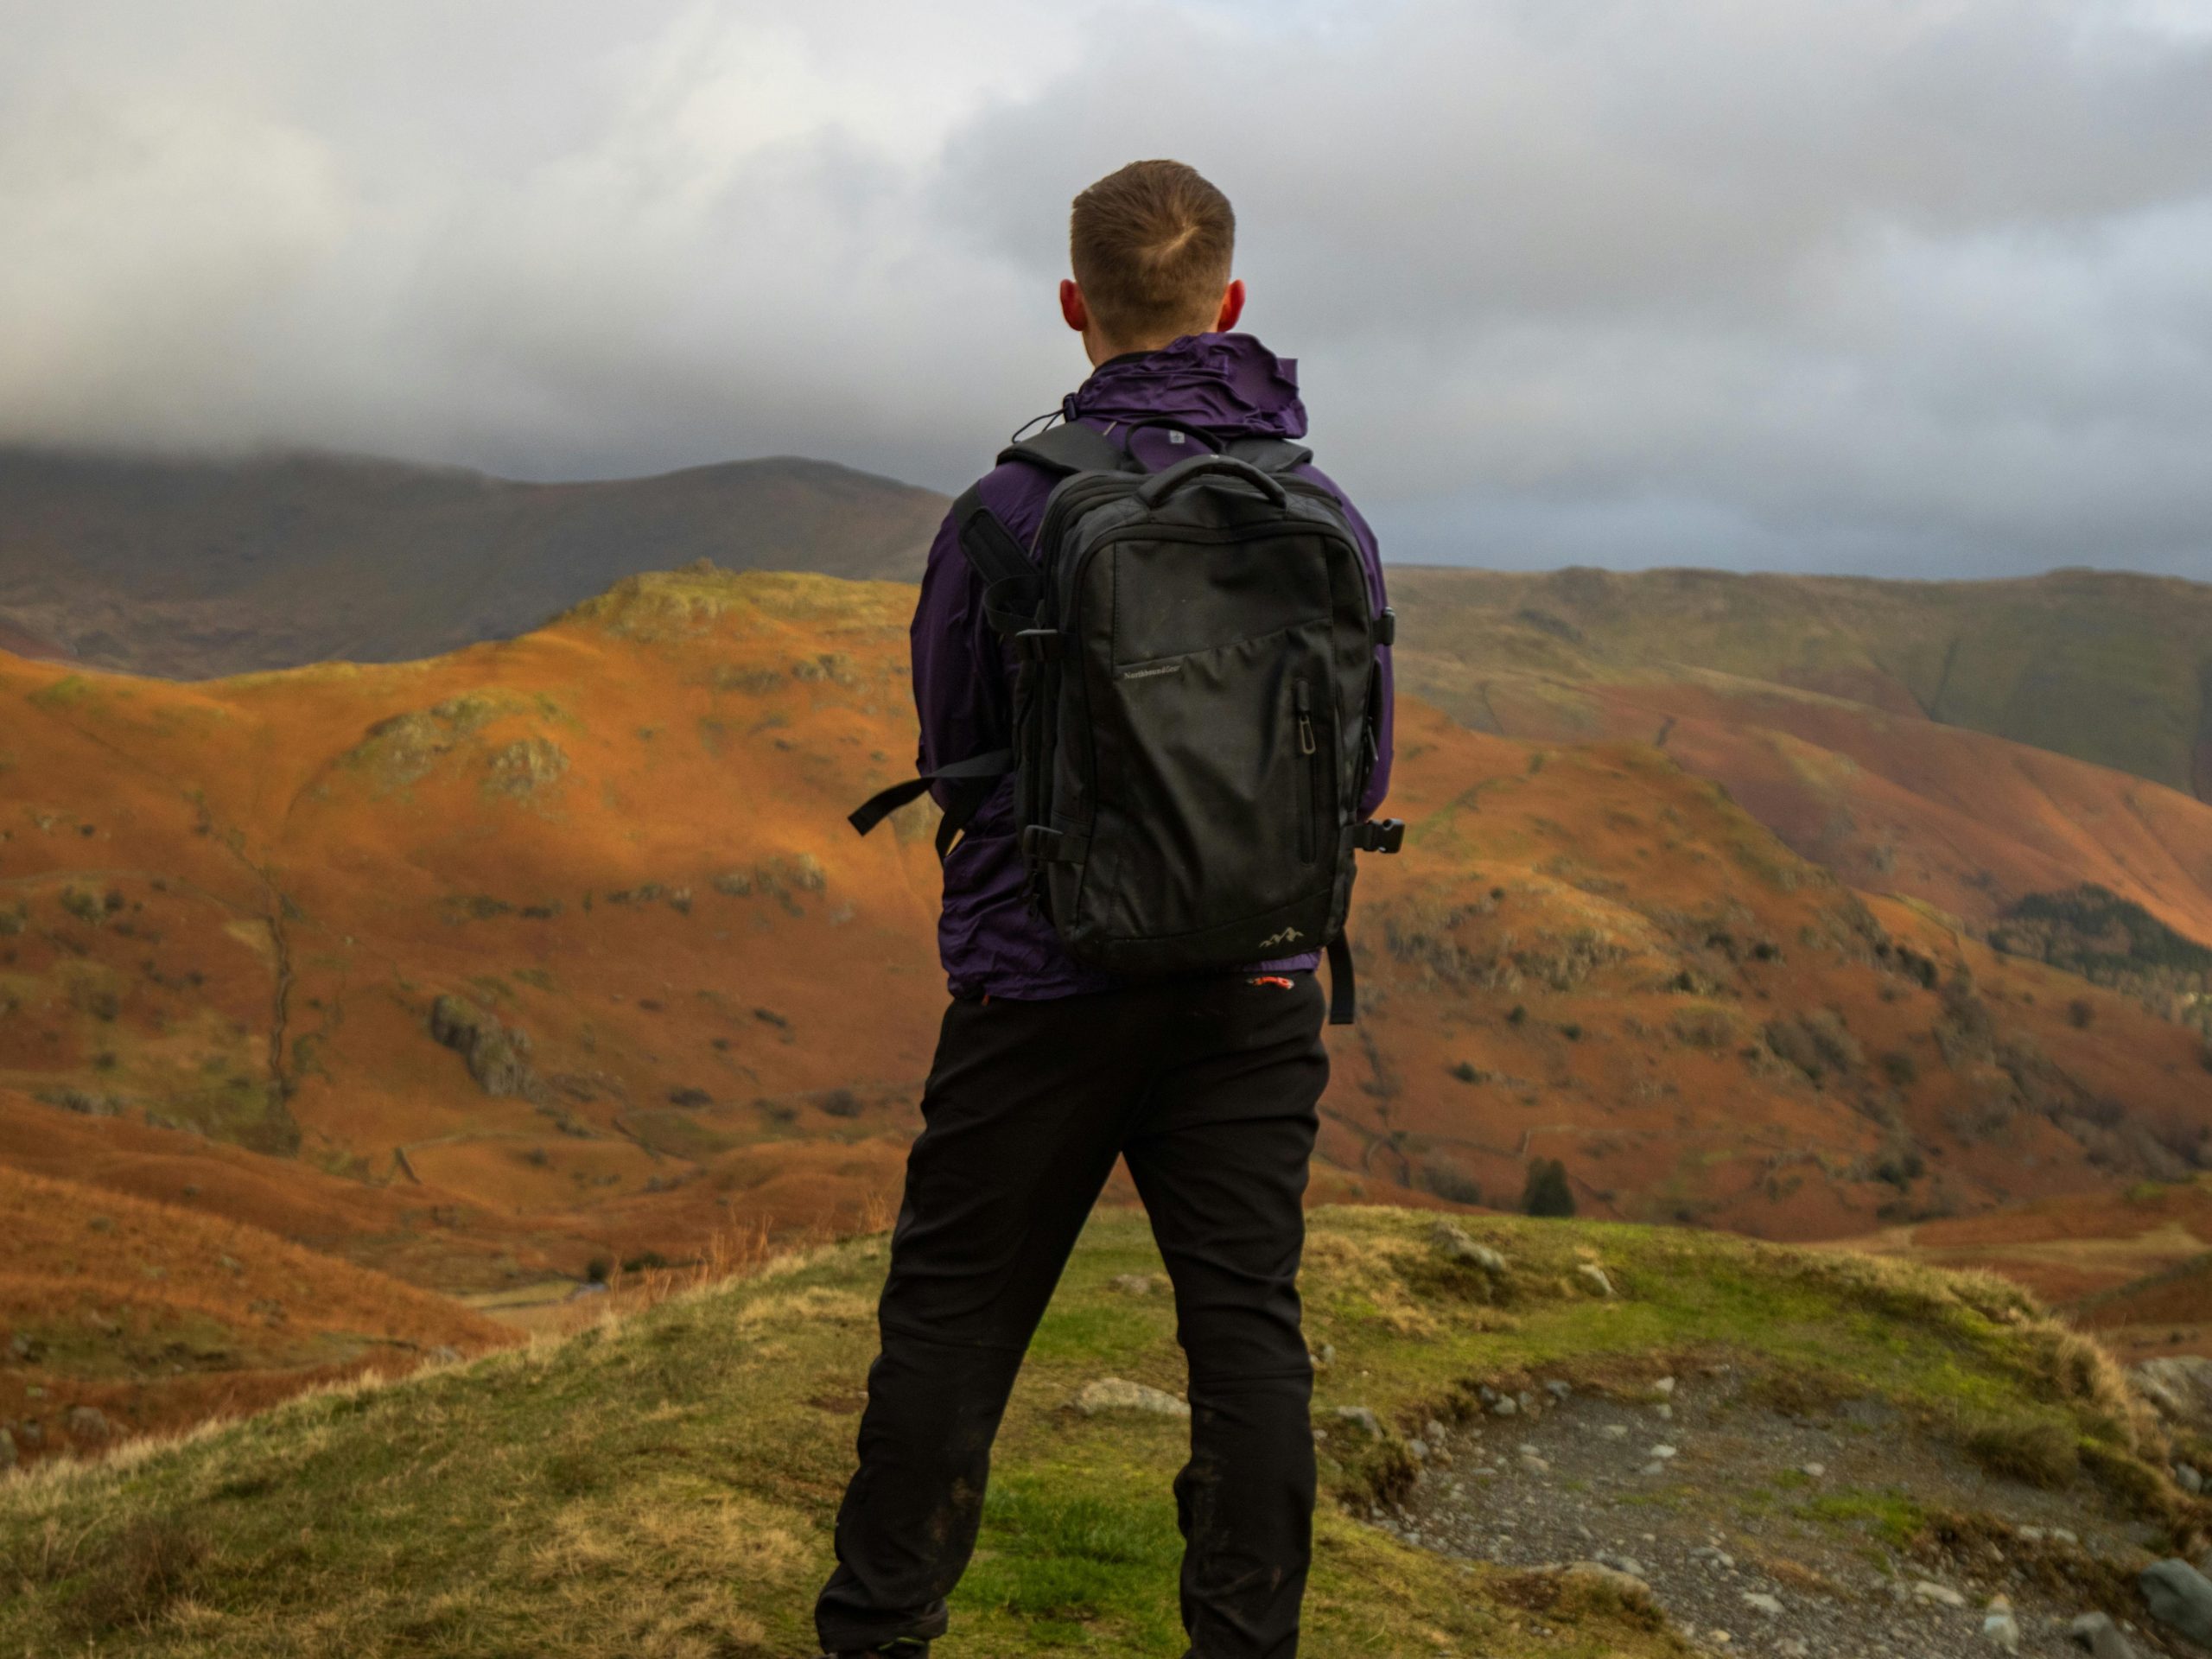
(662, 1486)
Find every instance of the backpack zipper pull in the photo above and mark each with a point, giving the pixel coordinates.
(1305, 721)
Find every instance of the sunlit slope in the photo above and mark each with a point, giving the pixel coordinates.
(1591, 955)
(2027, 769)
(124, 1317)
(235, 907)
(565, 940)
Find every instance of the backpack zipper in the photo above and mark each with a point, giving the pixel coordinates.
(1309, 818)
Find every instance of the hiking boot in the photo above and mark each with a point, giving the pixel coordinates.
(906, 1647)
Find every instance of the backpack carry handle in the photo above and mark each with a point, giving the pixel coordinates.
(1160, 485)
(1165, 423)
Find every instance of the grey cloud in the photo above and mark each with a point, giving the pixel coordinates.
(1877, 285)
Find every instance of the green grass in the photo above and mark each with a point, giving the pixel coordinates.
(1891, 1516)
(664, 1486)
(1063, 1557)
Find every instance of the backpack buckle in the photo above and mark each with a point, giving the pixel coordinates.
(1385, 631)
(1379, 835)
(1038, 645)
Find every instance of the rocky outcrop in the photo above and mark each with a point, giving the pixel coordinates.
(498, 1055)
(1452, 1239)
(2178, 1386)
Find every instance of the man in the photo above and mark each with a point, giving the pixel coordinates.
(1046, 1071)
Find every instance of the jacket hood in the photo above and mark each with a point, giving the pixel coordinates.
(1228, 383)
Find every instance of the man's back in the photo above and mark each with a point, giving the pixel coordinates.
(1227, 386)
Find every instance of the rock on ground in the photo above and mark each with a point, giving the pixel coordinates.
(1626, 1587)
(1451, 1238)
(498, 1056)
(1999, 1626)
(2179, 1385)
(88, 1423)
(2097, 1633)
(1118, 1393)
(2180, 1597)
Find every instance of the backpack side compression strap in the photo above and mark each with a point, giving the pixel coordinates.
(1343, 998)
(978, 768)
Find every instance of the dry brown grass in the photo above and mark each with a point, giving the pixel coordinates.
(158, 1318)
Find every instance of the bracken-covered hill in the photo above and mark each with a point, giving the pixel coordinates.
(1976, 747)
(565, 941)
(124, 1318)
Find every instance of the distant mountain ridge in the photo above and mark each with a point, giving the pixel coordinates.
(192, 569)
(2110, 667)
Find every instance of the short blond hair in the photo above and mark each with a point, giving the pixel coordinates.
(1150, 246)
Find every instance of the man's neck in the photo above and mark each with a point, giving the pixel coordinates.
(1101, 354)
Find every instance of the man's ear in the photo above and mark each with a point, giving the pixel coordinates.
(1072, 306)
(1232, 307)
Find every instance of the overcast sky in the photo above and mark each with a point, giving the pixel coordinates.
(1912, 287)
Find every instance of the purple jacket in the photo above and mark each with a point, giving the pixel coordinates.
(990, 941)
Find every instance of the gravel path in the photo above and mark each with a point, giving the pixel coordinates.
(1764, 1533)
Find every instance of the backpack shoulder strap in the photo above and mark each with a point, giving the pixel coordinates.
(991, 548)
(1011, 583)
(1269, 455)
(1069, 448)
(1062, 451)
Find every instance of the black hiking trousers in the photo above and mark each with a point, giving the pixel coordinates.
(1209, 1087)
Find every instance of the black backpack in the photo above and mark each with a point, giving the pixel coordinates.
(1194, 705)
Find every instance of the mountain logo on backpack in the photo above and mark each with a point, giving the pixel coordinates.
(1289, 936)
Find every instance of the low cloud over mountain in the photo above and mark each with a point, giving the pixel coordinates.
(1903, 288)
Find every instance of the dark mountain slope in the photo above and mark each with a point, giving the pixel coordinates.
(2103, 666)
(190, 568)
(18, 643)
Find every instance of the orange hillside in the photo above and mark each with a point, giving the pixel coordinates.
(560, 947)
(124, 1317)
